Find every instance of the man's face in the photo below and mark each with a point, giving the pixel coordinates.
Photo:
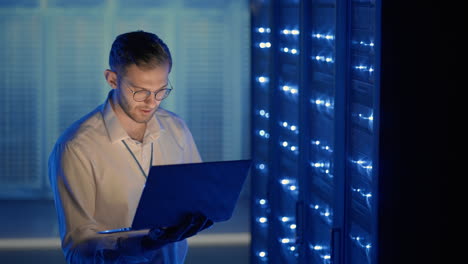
(136, 79)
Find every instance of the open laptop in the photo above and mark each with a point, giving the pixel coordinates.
(173, 191)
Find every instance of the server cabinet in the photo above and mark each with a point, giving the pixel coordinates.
(315, 131)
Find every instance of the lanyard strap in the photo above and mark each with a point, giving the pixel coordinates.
(136, 160)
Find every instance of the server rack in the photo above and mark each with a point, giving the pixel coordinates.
(315, 83)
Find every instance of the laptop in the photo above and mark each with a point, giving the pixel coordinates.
(173, 191)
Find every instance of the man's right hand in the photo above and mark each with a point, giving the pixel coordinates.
(158, 237)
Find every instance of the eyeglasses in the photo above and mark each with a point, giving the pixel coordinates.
(159, 95)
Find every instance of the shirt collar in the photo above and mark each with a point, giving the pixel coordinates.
(115, 130)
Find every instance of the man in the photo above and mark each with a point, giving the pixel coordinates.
(99, 166)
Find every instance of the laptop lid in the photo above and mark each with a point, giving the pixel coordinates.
(173, 191)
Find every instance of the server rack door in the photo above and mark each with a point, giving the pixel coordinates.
(275, 65)
(261, 39)
(320, 187)
(361, 133)
(285, 187)
(315, 98)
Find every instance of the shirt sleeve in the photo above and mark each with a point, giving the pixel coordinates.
(73, 183)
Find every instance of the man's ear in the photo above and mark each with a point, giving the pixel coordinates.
(111, 78)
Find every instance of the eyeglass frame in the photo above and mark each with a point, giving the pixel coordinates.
(148, 92)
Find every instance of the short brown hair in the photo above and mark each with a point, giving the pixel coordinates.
(144, 49)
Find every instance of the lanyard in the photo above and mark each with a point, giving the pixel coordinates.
(136, 160)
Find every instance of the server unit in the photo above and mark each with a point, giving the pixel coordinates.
(315, 131)
(349, 124)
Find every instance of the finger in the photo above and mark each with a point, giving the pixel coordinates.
(156, 233)
(176, 233)
(208, 224)
(201, 223)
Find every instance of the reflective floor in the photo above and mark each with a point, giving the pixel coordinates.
(29, 234)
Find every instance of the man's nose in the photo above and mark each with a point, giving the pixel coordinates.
(151, 100)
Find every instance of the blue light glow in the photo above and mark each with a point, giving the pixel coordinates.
(316, 247)
(320, 102)
(290, 50)
(263, 30)
(363, 164)
(261, 166)
(322, 58)
(292, 148)
(364, 43)
(262, 254)
(264, 45)
(288, 89)
(263, 79)
(364, 68)
(364, 194)
(324, 212)
(362, 243)
(323, 36)
(293, 32)
(264, 113)
(286, 240)
(263, 134)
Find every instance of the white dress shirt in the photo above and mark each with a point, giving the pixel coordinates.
(97, 183)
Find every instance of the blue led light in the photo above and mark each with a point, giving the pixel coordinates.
(262, 220)
(264, 113)
(261, 166)
(264, 45)
(363, 164)
(370, 118)
(286, 240)
(362, 243)
(288, 89)
(293, 32)
(323, 103)
(366, 195)
(292, 51)
(263, 134)
(263, 30)
(324, 212)
(262, 254)
(364, 68)
(285, 181)
(323, 36)
(263, 79)
(321, 58)
(292, 148)
(316, 247)
(364, 43)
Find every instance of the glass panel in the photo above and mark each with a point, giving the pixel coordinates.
(20, 104)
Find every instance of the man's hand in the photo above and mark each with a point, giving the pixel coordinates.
(192, 224)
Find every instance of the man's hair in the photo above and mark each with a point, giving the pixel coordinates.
(145, 50)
